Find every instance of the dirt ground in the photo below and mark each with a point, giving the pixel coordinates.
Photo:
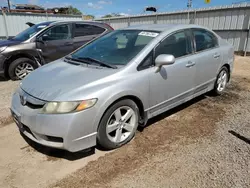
(203, 143)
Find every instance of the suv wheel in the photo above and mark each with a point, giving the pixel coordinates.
(21, 67)
(118, 125)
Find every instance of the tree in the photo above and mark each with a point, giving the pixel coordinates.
(107, 16)
(112, 15)
(88, 17)
(74, 11)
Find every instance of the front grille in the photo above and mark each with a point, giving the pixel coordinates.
(30, 101)
(54, 139)
(45, 137)
(34, 106)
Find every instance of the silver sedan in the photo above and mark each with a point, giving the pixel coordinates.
(104, 90)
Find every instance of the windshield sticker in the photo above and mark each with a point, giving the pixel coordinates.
(148, 34)
(42, 26)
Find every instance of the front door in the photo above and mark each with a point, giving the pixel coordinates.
(174, 83)
(55, 42)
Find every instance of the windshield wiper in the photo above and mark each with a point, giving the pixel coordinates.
(97, 61)
(76, 59)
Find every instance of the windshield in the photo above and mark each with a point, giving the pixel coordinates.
(117, 47)
(31, 31)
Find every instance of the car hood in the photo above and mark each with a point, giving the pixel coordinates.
(8, 42)
(58, 78)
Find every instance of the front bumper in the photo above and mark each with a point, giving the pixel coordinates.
(72, 131)
(2, 60)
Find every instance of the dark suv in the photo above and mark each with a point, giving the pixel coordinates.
(43, 43)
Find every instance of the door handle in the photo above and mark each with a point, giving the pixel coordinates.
(216, 56)
(190, 64)
(68, 43)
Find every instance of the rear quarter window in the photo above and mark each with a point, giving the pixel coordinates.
(86, 29)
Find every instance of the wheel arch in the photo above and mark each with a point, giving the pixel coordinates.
(134, 98)
(14, 57)
(229, 70)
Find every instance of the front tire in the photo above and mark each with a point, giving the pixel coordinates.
(118, 125)
(221, 81)
(20, 68)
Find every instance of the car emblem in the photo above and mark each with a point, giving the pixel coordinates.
(23, 100)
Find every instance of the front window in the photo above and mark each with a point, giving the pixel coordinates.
(178, 45)
(30, 32)
(117, 47)
(60, 32)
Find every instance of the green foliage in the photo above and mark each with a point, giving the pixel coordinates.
(111, 15)
(74, 11)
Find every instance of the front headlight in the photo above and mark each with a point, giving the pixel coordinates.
(2, 48)
(66, 107)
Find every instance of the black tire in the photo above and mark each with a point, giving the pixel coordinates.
(102, 138)
(215, 90)
(14, 64)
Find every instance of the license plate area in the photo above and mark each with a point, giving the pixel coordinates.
(17, 120)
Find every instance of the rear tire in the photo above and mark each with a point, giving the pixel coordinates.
(221, 81)
(21, 67)
(118, 125)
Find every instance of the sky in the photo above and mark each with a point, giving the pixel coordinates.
(100, 8)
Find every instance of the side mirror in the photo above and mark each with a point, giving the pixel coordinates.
(164, 59)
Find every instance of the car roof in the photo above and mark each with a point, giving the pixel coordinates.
(86, 22)
(163, 27)
(45, 23)
(100, 24)
(59, 22)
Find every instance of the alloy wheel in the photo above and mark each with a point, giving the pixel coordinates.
(23, 69)
(222, 81)
(121, 124)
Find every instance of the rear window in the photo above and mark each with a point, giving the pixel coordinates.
(85, 30)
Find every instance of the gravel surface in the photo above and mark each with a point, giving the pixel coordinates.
(6, 90)
(203, 143)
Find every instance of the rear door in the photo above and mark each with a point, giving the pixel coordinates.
(208, 58)
(84, 33)
(56, 42)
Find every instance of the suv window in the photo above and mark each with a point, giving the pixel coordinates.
(204, 39)
(60, 32)
(178, 45)
(84, 29)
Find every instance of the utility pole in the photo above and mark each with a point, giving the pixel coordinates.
(8, 5)
(189, 5)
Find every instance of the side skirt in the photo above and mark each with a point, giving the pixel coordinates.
(197, 92)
